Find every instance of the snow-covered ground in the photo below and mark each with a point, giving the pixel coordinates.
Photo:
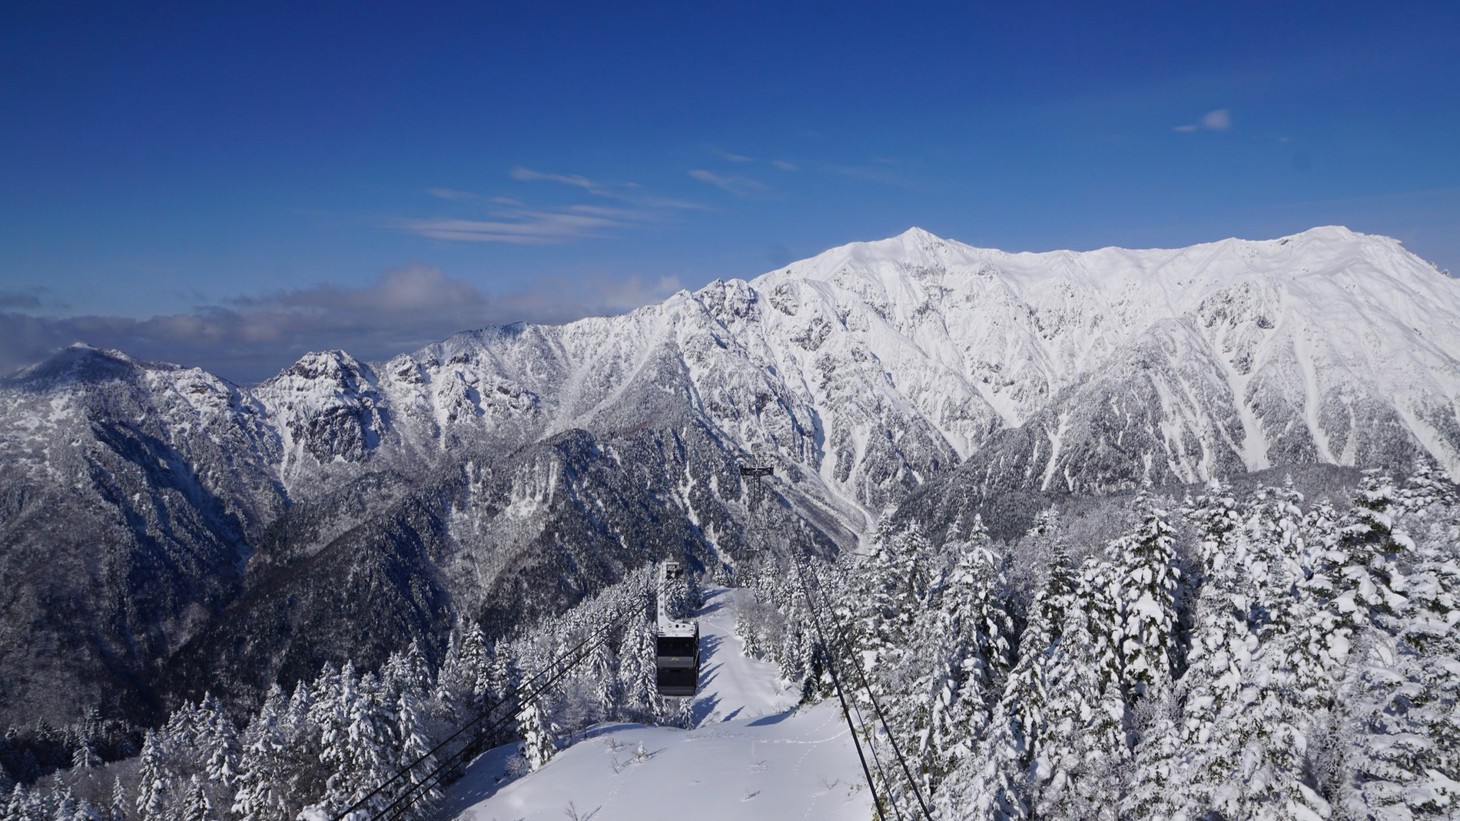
(750, 755)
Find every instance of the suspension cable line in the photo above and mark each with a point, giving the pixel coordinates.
(881, 716)
(826, 656)
(525, 691)
(756, 472)
(850, 653)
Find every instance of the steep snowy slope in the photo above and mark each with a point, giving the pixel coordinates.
(131, 494)
(1089, 371)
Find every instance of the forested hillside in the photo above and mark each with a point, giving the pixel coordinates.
(1249, 656)
(1255, 655)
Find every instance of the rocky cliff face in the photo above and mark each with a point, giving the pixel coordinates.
(165, 531)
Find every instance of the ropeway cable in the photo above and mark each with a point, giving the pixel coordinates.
(839, 633)
(524, 691)
(877, 707)
(846, 712)
(835, 679)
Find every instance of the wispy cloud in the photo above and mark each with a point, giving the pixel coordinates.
(452, 194)
(22, 299)
(522, 227)
(734, 184)
(1218, 120)
(782, 165)
(510, 220)
(250, 338)
(731, 157)
(884, 172)
(575, 180)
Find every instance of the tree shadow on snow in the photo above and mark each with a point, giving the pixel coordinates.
(766, 721)
(711, 606)
(702, 709)
(708, 646)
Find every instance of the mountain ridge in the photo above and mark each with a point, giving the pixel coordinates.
(505, 471)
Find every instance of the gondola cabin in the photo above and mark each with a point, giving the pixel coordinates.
(670, 571)
(677, 658)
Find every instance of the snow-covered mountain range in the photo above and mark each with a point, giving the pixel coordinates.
(341, 507)
(873, 366)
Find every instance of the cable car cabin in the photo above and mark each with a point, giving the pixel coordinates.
(677, 658)
(670, 570)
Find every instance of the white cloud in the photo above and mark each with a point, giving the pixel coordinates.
(739, 186)
(883, 172)
(250, 338)
(23, 298)
(575, 180)
(1217, 120)
(522, 227)
(784, 166)
(512, 221)
(451, 194)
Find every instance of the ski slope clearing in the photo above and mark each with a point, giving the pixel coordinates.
(750, 754)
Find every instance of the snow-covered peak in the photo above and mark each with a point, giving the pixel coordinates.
(335, 366)
(77, 363)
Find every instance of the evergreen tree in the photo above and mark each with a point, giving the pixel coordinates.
(355, 740)
(1285, 684)
(218, 740)
(1155, 789)
(264, 766)
(971, 649)
(1403, 703)
(153, 789)
(1222, 646)
(608, 696)
(197, 807)
(117, 809)
(82, 756)
(637, 670)
(476, 663)
(1027, 693)
(1147, 590)
(539, 734)
(412, 743)
(889, 588)
(1082, 752)
(16, 805)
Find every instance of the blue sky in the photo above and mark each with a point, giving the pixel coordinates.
(230, 185)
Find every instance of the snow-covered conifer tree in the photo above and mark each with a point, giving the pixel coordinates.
(196, 806)
(154, 792)
(539, 734)
(1402, 699)
(637, 670)
(1027, 693)
(972, 654)
(117, 808)
(1265, 730)
(354, 739)
(1083, 757)
(264, 775)
(218, 740)
(1147, 590)
(1221, 649)
(411, 743)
